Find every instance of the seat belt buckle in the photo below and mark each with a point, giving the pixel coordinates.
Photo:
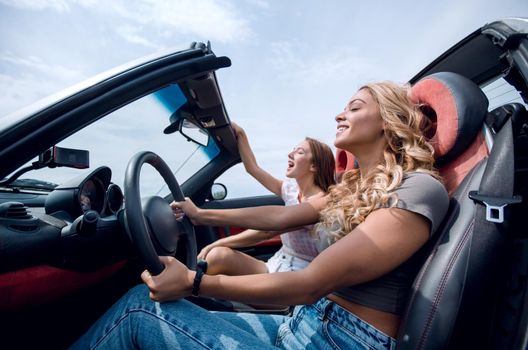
(494, 205)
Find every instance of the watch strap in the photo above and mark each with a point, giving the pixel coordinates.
(201, 269)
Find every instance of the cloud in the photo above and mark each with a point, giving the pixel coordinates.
(131, 34)
(217, 20)
(31, 79)
(34, 63)
(343, 64)
(259, 3)
(213, 19)
(12, 93)
(38, 5)
(154, 25)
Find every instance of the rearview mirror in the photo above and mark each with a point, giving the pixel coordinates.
(194, 133)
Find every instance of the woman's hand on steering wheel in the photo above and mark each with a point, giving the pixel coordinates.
(175, 282)
(187, 208)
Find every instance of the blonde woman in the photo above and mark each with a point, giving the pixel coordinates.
(373, 222)
(309, 174)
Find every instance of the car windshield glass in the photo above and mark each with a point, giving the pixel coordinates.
(138, 126)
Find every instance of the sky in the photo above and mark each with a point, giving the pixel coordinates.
(294, 63)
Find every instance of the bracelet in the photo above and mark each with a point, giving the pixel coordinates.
(201, 269)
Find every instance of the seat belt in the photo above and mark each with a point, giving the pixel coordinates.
(489, 237)
(496, 187)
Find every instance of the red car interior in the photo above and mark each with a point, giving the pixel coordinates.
(37, 285)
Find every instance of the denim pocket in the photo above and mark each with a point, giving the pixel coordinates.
(298, 313)
(325, 325)
(340, 338)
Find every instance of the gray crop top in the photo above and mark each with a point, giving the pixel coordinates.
(421, 194)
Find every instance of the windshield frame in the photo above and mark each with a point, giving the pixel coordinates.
(26, 134)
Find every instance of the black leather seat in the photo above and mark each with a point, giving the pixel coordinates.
(452, 299)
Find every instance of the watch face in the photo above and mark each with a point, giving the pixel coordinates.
(202, 264)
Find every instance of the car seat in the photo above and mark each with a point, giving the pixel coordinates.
(451, 302)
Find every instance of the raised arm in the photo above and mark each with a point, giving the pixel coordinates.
(387, 238)
(250, 163)
(267, 218)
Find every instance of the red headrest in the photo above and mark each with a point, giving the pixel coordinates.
(457, 106)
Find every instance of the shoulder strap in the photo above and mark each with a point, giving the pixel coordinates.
(488, 240)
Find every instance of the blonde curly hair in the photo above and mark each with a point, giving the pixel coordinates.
(357, 195)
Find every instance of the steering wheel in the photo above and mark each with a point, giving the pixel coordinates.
(151, 223)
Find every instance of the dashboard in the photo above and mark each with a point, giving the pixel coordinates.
(90, 196)
(89, 192)
(76, 226)
(58, 243)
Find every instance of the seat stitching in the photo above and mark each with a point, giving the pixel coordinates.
(430, 258)
(443, 283)
(434, 307)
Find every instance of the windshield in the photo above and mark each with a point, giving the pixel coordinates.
(138, 126)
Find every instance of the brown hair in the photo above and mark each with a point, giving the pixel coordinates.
(323, 160)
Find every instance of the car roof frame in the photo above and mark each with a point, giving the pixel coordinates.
(484, 54)
(50, 122)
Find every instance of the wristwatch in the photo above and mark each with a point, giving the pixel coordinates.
(201, 269)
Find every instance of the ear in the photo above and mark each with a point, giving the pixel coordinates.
(313, 169)
(384, 129)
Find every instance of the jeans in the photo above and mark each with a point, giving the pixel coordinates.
(136, 322)
(282, 261)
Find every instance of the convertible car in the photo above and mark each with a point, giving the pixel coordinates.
(80, 219)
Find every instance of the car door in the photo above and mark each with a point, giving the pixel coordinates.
(33, 302)
(209, 234)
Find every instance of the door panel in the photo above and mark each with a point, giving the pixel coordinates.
(208, 234)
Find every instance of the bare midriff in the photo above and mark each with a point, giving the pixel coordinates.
(384, 321)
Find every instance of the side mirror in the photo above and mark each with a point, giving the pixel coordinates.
(194, 133)
(218, 191)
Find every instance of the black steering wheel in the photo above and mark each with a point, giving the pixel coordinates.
(151, 223)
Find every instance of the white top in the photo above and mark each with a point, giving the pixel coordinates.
(300, 243)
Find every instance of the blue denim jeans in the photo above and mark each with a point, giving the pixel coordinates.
(136, 322)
